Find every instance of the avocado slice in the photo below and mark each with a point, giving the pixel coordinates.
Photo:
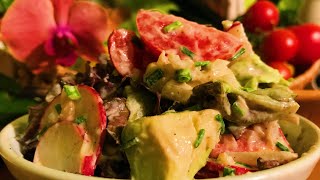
(164, 146)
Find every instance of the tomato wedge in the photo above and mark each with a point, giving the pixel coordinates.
(127, 52)
(205, 43)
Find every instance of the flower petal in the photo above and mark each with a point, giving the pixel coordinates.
(39, 61)
(68, 60)
(88, 22)
(61, 9)
(26, 25)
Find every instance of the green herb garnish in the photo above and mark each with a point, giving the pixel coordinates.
(43, 130)
(244, 164)
(72, 92)
(199, 138)
(130, 143)
(58, 108)
(238, 54)
(80, 120)
(173, 26)
(282, 147)
(183, 75)
(236, 109)
(228, 171)
(201, 63)
(219, 118)
(154, 77)
(187, 52)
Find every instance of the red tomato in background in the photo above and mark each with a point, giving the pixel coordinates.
(261, 16)
(309, 43)
(280, 45)
(284, 68)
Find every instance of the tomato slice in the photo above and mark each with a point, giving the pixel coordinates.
(249, 141)
(127, 52)
(206, 43)
(212, 169)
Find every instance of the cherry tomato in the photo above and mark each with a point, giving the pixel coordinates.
(284, 68)
(261, 16)
(280, 45)
(309, 43)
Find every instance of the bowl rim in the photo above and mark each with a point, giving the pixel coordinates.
(8, 155)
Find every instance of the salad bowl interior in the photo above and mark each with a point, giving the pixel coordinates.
(304, 138)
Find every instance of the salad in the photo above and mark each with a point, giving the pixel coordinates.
(178, 101)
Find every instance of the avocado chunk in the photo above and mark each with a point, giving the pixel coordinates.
(169, 87)
(246, 108)
(252, 71)
(169, 146)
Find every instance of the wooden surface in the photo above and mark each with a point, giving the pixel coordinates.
(309, 107)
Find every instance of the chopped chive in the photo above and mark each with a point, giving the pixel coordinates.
(244, 164)
(130, 143)
(154, 77)
(58, 108)
(173, 26)
(43, 130)
(80, 120)
(199, 138)
(282, 147)
(219, 118)
(187, 52)
(201, 63)
(72, 92)
(183, 75)
(236, 109)
(238, 54)
(228, 171)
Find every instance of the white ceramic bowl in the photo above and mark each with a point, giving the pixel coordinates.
(304, 138)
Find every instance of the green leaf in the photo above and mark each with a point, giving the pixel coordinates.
(289, 10)
(9, 84)
(4, 5)
(12, 107)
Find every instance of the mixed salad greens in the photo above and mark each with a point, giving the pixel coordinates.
(181, 101)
